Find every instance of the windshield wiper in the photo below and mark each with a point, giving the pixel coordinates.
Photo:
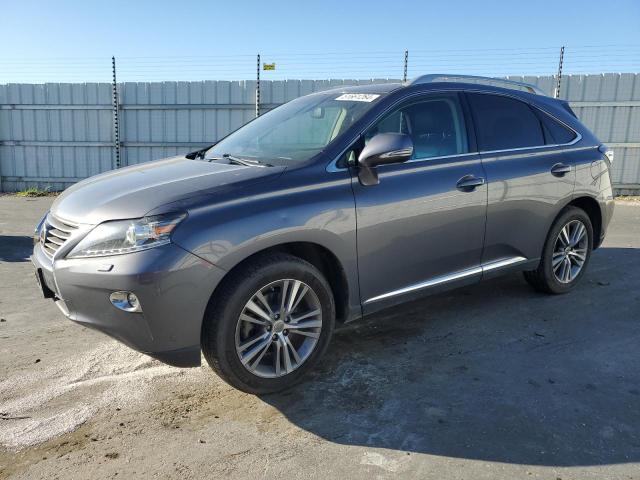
(198, 153)
(244, 161)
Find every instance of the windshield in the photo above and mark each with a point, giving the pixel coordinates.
(297, 130)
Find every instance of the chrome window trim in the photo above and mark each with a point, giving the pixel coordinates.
(486, 267)
(440, 157)
(332, 166)
(537, 147)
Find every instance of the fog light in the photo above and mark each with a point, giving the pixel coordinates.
(127, 301)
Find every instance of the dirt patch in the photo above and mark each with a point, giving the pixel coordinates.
(633, 199)
(46, 403)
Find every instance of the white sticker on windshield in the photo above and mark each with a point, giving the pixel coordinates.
(357, 97)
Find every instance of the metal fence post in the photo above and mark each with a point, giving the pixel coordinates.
(557, 92)
(406, 63)
(116, 126)
(258, 87)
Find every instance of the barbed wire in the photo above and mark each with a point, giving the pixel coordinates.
(511, 61)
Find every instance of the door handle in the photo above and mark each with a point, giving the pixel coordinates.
(468, 183)
(560, 169)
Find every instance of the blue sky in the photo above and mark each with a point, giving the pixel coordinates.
(74, 40)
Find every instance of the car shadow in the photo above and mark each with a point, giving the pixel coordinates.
(15, 248)
(493, 372)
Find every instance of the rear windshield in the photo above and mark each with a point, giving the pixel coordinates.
(295, 131)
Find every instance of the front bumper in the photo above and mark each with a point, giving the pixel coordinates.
(173, 285)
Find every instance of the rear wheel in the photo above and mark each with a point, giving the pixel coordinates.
(566, 253)
(269, 323)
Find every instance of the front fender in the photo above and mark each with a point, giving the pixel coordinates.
(317, 208)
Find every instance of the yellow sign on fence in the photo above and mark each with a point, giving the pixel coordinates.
(268, 66)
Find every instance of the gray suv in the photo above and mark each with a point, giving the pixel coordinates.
(328, 208)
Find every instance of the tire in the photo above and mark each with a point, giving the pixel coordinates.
(225, 333)
(556, 280)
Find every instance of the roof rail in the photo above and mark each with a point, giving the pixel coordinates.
(496, 82)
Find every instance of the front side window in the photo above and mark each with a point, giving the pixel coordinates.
(503, 123)
(435, 125)
(296, 131)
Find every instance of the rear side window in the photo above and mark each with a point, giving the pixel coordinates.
(555, 132)
(503, 123)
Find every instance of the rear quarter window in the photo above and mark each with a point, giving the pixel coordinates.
(555, 132)
(503, 123)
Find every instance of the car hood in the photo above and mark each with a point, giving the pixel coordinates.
(132, 192)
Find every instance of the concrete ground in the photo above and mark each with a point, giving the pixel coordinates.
(492, 381)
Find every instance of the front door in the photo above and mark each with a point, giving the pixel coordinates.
(423, 225)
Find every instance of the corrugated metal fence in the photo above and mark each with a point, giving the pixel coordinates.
(52, 135)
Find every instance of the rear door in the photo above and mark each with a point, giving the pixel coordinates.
(422, 226)
(528, 177)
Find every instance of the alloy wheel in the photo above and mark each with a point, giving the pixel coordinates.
(570, 251)
(278, 328)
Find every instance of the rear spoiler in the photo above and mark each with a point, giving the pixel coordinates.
(568, 108)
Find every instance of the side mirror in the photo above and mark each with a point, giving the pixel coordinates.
(383, 149)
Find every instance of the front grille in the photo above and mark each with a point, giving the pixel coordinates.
(56, 232)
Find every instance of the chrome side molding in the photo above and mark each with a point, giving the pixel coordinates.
(495, 265)
(507, 262)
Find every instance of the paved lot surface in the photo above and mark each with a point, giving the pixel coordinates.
(492, 381)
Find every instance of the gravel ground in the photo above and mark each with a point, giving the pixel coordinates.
(492, 381)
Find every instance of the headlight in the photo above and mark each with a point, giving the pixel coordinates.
(126, 236)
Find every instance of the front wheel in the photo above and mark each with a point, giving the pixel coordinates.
(269, 323)
(566, 253)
